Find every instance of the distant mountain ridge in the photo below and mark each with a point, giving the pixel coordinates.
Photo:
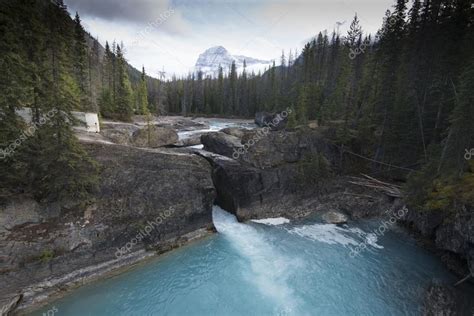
(209, 61)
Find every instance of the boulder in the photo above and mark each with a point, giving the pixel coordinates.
(119, 133)
(235, 131)
(334, 217)
(275, 121)
(153, 137)
(266, 149)
(262, 118)
(263, 148)
(221, 143)
(116, 136)
(252, 193)
(189, 141)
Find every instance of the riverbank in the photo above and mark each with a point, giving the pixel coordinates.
(296, 267)
(41, 294)
(150, 199)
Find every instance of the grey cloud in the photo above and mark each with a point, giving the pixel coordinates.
(144, 12)
(130, 10)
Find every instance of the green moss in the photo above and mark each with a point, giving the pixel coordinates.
(429, 191)
(46, 255)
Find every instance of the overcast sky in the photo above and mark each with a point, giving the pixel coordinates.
(172, 33)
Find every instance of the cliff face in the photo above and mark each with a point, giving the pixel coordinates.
(451, 233)
(147, 199)
(266, 174)
(263, 173)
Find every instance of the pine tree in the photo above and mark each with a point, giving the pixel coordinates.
(220, 91)
(123, 99)
(80, 64)
(302, 106)
(14, 87)
(106, 99)
(142, 95)
(233, 88)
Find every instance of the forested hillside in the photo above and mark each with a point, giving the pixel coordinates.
(50, 64)
(403, 98)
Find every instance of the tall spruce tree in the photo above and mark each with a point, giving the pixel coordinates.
(81, 65)
(142, 95)
(124, 98)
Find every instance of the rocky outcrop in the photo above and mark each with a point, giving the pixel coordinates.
(138, 206)
(19, 211)
(220, 143)
(121, 137)
(274, 121)
(178, 123)
(8, 304)
(162, 131)
(457, 233)
(262, 118)
(189, 141)
(270, 176)
(249, 192)
(451, 233)
(445, 300)
(235, 131)
(262, 148)
(439, 300)
(153, 137)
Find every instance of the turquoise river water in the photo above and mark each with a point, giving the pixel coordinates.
(270, 268)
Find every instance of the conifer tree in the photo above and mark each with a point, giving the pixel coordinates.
(233, 88)
(14, 87)
(302, 105)
(80, 64)
(142, 95)
(123, 99)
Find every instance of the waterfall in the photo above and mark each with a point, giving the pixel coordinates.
(268, 269)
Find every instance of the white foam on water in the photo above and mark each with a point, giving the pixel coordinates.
(326, 233)
(332, 234)
(371, 239)
(270, 269)
(272, 221)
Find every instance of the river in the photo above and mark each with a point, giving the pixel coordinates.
(275, 267)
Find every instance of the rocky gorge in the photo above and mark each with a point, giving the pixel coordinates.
(165, 196)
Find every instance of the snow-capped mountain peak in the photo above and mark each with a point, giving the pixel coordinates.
(210, 60)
